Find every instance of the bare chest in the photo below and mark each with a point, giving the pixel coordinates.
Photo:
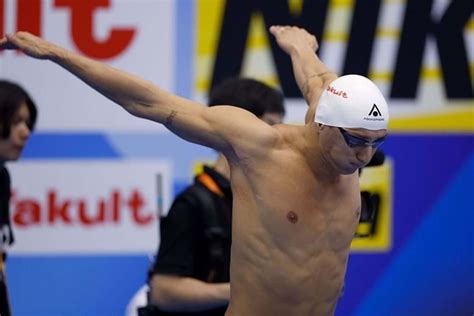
(296, 209)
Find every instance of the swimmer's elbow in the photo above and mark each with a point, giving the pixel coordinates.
(161, 293)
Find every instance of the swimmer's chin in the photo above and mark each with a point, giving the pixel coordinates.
(346, 168)
(349, 169)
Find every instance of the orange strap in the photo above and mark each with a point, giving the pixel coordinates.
(206, 179)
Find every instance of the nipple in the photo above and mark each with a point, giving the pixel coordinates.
(292, 217)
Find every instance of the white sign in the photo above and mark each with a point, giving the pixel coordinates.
(135, 36)
(100, 206)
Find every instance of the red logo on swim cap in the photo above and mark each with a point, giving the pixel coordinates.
(334, 91)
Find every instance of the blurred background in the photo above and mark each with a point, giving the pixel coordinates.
(92, 179)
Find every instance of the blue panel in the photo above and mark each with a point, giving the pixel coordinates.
(424, 165)
(68, 146)
(183, 154)
(119, 145)
(434, 273)
(74, 285)
(179, 186)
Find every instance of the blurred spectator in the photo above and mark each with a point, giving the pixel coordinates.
(17, 120)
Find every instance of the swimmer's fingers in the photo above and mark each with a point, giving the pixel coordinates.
(29, 44)
(293, 38)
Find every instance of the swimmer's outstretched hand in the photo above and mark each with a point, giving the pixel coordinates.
(29, 44)
(291, 38)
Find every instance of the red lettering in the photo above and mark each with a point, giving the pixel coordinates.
(27, 212)
(82, 30)
(135, 203)
(115, 206)
(87, 220)
(57, 212)
(336, 92)
(28, 16)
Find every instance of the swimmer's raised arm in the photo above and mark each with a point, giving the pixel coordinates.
(311, 75)
(223, 127)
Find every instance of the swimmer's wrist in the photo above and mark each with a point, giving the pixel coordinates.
(56, 53)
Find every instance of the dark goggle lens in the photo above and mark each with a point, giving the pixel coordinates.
(354, 141)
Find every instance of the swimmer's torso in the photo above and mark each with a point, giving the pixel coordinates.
(291, 236)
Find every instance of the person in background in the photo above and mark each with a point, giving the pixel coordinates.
(17, 120)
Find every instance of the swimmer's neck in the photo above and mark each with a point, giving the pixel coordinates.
(320, 166)
(323, 169)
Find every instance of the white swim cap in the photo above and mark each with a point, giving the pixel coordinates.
(352, 101)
